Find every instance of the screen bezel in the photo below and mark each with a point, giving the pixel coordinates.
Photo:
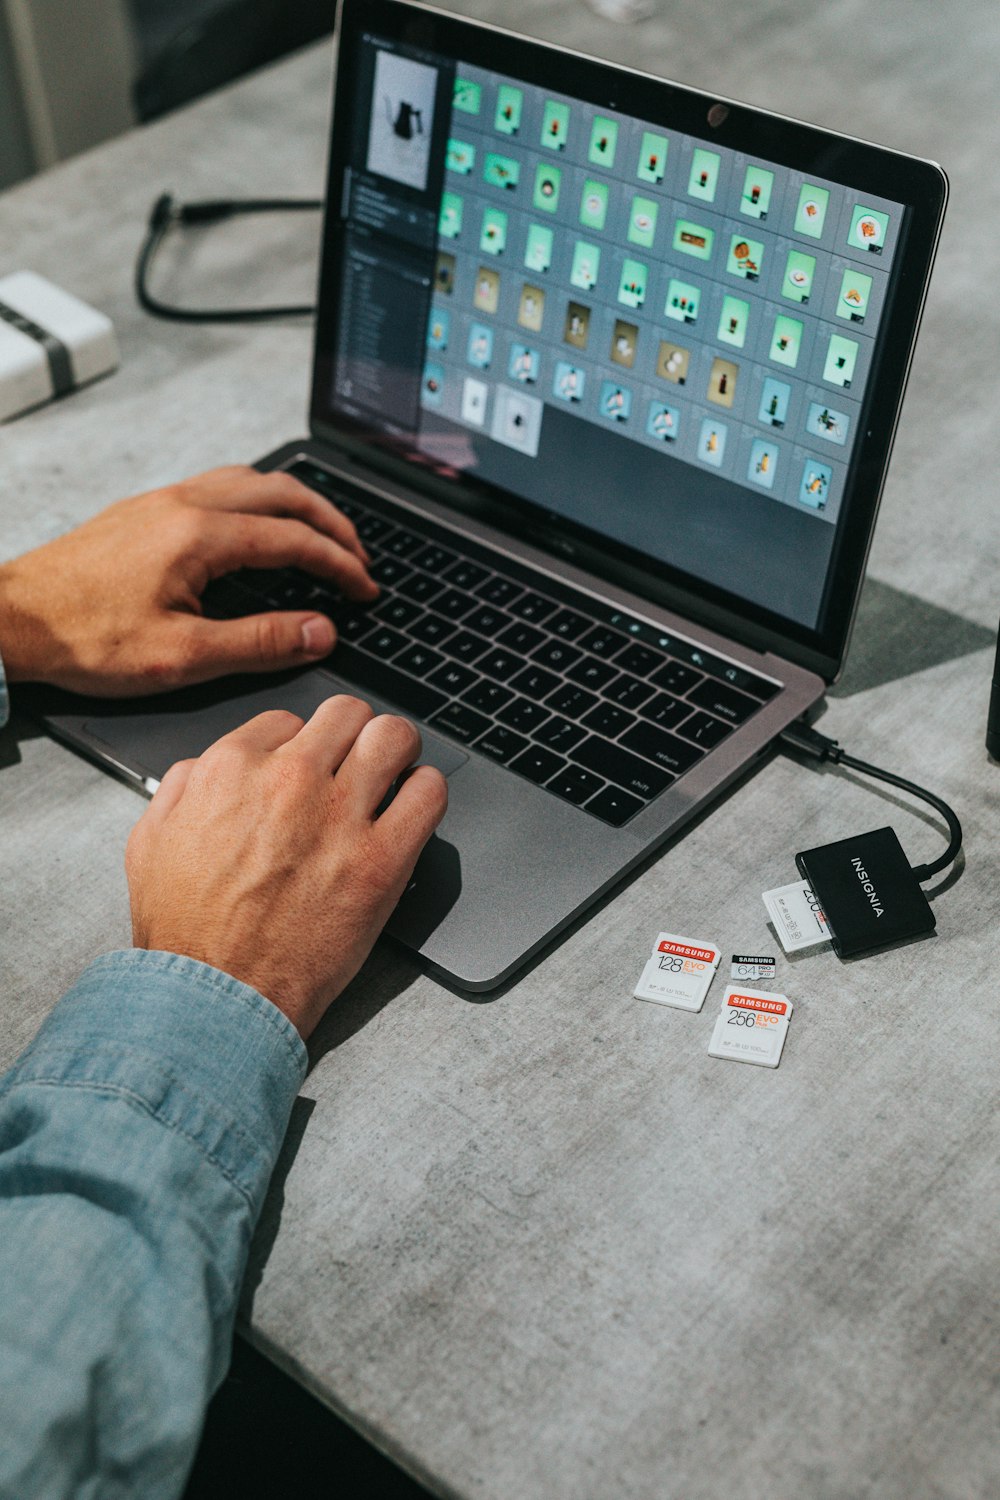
(921, 186)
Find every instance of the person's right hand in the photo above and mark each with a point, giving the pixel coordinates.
(114, 607)
(266, 859)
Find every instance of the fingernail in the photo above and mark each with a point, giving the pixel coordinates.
(317, 636)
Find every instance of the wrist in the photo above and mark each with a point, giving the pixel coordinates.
(22, 629)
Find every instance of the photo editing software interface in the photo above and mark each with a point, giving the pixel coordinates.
(664, 341)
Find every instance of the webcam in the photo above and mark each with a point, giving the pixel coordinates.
(718, 115)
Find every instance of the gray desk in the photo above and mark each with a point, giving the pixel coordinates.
(546, 1247)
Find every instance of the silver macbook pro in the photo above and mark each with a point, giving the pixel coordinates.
(607, 373)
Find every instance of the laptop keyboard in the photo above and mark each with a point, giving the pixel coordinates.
(598, 708)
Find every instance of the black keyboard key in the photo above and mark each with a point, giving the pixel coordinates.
(350, 508)
(384, 642)
(460, 722)
(559, 734)
(225, 600)
(676, 677)
(403, 543)
(453, 604)
(370, 676)
(640, 660)
(487, 620)
(500, 743)
(465, 646)
(431, 630)
(608, 720)
(419, 660)
(666, 711)
(591, 673)
(532, 607)
(327, 599)
(705, 731)
(633, 775)
(370, 527)
(499, 591)
(398, 612)
(726, 671)
(294, 592)
(312, 475)
(453, 678)
(628, 692)
(259, 580)
(535, 682)
(354, 624)
(538, 765)
(574, 784)
(604, 642)
(523, 714)
(523, 638)
(737, 677)
(567, 625)
(466, 574)
(556, 655)
(487, 696)
(435, 559)
(614, 806)
(501, 664)
(421, 587)
(389, 570)
(723, 701)
(759, 687)
(571, 700)
(665, 749)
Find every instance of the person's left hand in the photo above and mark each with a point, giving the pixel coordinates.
(113, 608)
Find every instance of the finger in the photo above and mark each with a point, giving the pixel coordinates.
(381, 753)
(413, 814)
(239, 488)
(255, 643)
(169, 792)
(264, 732)
(234, 541)
(328, 736)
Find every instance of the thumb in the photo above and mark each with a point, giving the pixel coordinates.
(258, 643)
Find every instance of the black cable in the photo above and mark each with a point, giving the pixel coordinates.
(820, 747)
(167, 214)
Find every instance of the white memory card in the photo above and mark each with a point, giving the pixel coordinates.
(678, 972)
(797, 916)
(751, 1026)
(752, 966)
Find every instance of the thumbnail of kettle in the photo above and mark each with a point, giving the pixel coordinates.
(408, 121)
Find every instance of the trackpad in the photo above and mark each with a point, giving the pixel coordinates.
(180, 729)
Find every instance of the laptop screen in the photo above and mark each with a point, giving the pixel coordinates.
(654, 323)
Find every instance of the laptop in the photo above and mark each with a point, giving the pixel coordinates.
(607, 373)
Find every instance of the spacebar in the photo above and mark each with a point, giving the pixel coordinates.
(371, 676)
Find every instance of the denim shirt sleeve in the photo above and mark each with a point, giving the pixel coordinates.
(137, 1136)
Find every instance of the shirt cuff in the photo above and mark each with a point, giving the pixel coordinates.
(200, 1051)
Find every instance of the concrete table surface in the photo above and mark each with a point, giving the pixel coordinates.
(544, 1246)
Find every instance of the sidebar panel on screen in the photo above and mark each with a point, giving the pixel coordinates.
(388, 227)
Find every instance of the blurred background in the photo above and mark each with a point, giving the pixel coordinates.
(76, 72)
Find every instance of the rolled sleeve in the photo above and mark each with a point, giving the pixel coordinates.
(203, 1054)
(137, 1136)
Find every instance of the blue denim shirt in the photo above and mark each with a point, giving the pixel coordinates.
(137, 1136)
